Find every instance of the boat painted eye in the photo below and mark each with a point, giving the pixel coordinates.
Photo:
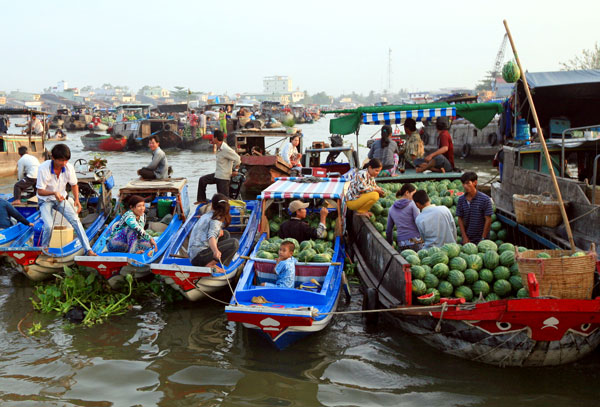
(503, 326)
(586, 326)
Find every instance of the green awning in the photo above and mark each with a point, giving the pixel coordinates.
(480, 114)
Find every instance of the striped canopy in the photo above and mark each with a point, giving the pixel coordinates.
(398, 117)
(329, 188)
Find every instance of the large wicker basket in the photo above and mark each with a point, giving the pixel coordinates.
(537, 210)
(562, 277)
(589, 189)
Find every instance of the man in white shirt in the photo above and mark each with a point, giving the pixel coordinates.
(35, 126)
(202, 123)
(52, 179)
(27, 171)
(435, 223)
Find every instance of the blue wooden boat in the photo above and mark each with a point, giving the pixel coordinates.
(195, 282)
(8, 235)
(114, 266)
(39, 263)
(290, 314)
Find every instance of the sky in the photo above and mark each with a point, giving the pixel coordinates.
(327, 45)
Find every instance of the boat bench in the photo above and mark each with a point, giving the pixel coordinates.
(265, 273)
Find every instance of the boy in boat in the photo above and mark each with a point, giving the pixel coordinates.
(159, 167)
(52, 179)
(27, 171)
(474, 211)
(296, 228)
(435, 223)
(285, 268)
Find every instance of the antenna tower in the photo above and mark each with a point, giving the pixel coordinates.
(389, 87)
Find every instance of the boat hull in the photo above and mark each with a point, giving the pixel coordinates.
(102, 142)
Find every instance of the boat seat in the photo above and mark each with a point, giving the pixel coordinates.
(265, 272)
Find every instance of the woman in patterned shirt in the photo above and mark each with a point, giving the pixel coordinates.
(363, 191)
(128, 234)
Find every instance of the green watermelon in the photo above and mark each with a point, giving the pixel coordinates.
(440, 270)
(418, 287)
(474, 262)
(458, 238)
(499, 242)
(522, 293)
(506, 247)
(426, 268)
(294, 241)
(379, 227)
(275, 239)
(514, 269)
(445, 288)
(307, 254)
(486, 275)
(320, 247)
(418, 272)
(274, 227)
(578, 254)
(413, 260)
(263, 254)
(470, 276)
(321, 258)
(501, 273)
(522, 249)
(502, 234)
(426, 299)
(422, 253)
(486, 246)
(469, 248)
(307, 244)
(264, 245)
(431, 281)
(440, 257)
(456, 278)
(516, 282)
(481, 287)
(434, 250)
(458, 263)
(376, 209)
(492, 297)
(436, 293)
(464, 256)
(492, 236)
(507, 258)
(331, 235)
(451, 249)
(408, 252)
(543, 255)
(496, 226)
(427, 261)
(448, 201)
(463, 292)
(491, 260)
(502, 287)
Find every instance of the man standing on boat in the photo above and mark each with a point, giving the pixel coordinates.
(52, 179)
(193, 121)
(298, 229)
(27, 171)
(228, 162)
(474, 211)
(202, 123)
(159, 167)
(34, 126)
(435, 223)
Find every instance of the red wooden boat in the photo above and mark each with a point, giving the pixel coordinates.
(103, 142)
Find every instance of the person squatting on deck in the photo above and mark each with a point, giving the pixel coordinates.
(27, 171)
(442, 159)
(363, 191)
(209, 242)
(403, 215)
(435, 223)
(289, 153)
(228, 162)
(474, 211)
(159, 166)
(298, 229)
(128, 234)
(386, 151)
(7, 211)
(52, 179)
(285, 268)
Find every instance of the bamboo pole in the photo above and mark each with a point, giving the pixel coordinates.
(563, 212)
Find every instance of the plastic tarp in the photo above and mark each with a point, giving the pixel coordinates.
(568, 95)
(480, 114)
(298, 188)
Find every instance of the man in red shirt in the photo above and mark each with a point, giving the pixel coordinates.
(445, 145)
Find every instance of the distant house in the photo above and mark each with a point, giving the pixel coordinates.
(155, 92)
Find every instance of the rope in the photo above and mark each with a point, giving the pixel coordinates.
(438, 327)
(202, 291)
(411, 309)
(229, 284)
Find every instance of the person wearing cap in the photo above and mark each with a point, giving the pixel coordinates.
(298, 229)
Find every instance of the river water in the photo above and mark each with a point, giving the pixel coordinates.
(187, 354)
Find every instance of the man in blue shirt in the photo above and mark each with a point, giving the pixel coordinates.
(6, 212)
(435, 223)
(474, 211)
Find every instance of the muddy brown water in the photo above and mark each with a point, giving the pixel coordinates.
(188, 354)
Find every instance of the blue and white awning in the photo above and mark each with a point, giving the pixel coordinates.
(399, 117)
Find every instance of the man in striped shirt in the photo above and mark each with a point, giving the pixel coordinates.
(474, 211)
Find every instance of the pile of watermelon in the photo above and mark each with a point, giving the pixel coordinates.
(312, 219)
(482, 272)
(309, 251)
(443, 192)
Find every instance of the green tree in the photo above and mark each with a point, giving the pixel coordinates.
(180, 93)
(589, 59)
(485, 83)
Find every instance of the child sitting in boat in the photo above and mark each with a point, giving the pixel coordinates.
(285, 267)
(128, 234)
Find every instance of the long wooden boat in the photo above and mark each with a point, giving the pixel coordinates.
(508, 332)
(290, 314)
(114, 266)
(103, 142)
(39, 263)
(196, 282)
(10, 143)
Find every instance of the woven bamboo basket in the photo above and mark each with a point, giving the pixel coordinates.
(537, 210)
(588, 192)
(561, 277)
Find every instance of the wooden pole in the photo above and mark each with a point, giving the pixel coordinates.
(563, 212)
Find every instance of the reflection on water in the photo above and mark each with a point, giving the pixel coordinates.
(188, 354)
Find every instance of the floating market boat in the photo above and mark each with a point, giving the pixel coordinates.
(284, 315)
(196, 282)
(31, 213)
(39, 263)
(10, 143)
(103, 142)
(169, 207)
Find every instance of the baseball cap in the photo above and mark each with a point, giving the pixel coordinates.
(297, 204)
